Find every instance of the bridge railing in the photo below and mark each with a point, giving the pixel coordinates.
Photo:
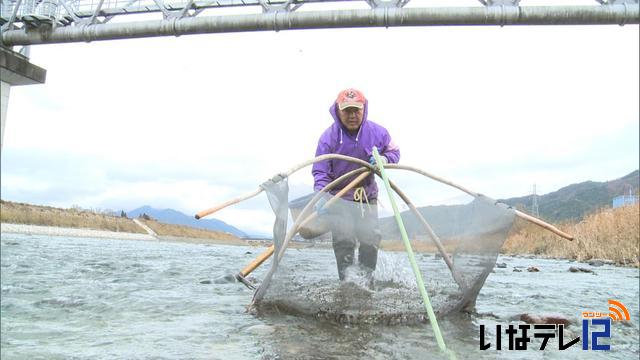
(27, 22)
(36, 13)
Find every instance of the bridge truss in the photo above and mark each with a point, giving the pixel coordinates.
(29, 22)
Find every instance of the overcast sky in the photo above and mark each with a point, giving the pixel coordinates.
(188, 122)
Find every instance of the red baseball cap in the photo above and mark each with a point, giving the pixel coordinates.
(350, 98)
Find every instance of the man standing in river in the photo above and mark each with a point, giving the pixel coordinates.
(354, 220)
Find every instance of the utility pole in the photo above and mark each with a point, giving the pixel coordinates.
(534, 203)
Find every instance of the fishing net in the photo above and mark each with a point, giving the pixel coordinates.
(330, 270)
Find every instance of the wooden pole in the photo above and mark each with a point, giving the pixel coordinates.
(267, 253)
(210, 211)
(299, 166)
(304, 216)
(257, 261)
(432, 235)
(544, 225)
(520, 214)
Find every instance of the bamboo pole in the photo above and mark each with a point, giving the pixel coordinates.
(301, 165)
(335, 198)
(267, 253)
(305, 216)
(210, 211)
(288, 173)
(433, 177)
(518, 213)
(257, 261)
(432, 235)
(544, 225)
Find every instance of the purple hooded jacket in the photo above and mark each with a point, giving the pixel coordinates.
(337, 140)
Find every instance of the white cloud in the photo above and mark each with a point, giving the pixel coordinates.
(193, 121)
(23, 183)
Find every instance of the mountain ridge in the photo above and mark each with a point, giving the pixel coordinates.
(573, 202)
(171, 216)
(569, 203)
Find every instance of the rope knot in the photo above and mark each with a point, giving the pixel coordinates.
(359, 195)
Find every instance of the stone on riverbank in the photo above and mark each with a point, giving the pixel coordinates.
(545, 319)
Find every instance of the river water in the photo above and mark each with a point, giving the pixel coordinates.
(87, 298)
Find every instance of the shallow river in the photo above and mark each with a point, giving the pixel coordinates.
(97, 298)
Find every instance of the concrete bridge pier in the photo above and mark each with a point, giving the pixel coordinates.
(15, 69)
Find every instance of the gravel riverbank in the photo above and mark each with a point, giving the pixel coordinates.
(73, 232)
(7, 228)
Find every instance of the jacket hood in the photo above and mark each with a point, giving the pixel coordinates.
(334, 113)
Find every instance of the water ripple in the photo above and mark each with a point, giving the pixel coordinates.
(86, 298)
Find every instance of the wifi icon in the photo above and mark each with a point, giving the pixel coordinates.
(618, 312)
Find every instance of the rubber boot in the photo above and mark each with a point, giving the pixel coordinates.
(368, 259)
(368, 256)
(344, 257)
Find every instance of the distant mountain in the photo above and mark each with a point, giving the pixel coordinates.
(575, 201)
(171, 216)
(571, 202)
(445, 220)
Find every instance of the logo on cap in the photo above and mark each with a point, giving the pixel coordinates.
(350, 98)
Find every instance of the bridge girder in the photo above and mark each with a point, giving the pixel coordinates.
(30, 22)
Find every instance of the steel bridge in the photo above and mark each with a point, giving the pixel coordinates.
(30, 22)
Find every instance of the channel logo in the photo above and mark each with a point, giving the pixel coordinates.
(594, 319)
(618, 312)
(596, 332)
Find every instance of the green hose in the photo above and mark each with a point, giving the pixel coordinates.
(412, 260)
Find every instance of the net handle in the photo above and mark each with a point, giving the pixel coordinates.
(294, 169)
(405, 239)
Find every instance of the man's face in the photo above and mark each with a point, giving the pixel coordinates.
(351, 118)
